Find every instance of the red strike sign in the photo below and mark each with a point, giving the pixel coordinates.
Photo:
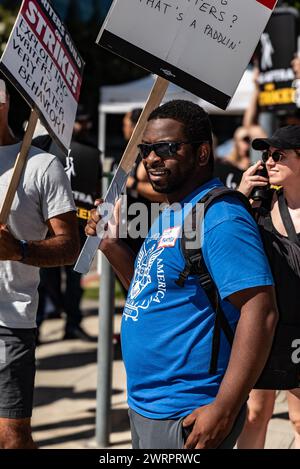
(43, 29)
(268, 3)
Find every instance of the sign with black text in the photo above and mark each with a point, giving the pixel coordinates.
(42, 62)
(278, 45)
(203, 47)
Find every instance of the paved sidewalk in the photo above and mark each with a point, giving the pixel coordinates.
(65, 398)
(65, 395)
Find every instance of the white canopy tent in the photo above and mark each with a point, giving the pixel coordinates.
(120, 99)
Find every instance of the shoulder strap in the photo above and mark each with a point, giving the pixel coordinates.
(286, 218)
(193, 257)
(219, 192)
(195, 265)
(262, 214)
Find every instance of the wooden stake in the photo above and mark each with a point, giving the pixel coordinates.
(19, 167)
(155, 97)
(92, 243)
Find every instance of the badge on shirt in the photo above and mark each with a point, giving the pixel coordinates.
(169, 237)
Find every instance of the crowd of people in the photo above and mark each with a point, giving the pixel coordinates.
(214, 335)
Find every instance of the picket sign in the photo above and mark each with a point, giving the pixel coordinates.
(42, 63)
(119, 181)
(19, 167)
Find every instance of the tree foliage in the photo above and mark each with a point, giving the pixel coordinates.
(7, 20)
(293, 3)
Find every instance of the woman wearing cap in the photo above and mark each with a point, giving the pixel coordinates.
(278, 216)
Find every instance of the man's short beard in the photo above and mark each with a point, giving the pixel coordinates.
(160, 190)
(169, 188)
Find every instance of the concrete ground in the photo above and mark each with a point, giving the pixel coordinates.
(65, 397)
(65, 391)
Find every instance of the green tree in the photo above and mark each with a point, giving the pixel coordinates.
(7, 20)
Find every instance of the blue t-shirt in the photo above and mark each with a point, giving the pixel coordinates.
(167, 330)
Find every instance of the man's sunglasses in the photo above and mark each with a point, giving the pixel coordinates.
(163, 149)
(276, 156)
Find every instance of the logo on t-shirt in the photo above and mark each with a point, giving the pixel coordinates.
(141, 280)
(267, 51)
(69, 168)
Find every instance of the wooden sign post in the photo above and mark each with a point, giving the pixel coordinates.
(19, 167)
(119, 181)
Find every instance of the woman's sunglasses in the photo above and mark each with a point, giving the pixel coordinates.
(276, 156)
(163, 149)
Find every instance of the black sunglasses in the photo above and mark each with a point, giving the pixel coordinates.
(163, 149)
(276, 156)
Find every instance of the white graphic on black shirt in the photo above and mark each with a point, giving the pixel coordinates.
(69, 168)
(267, 51)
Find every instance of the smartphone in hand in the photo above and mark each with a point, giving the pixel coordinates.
(260, 193)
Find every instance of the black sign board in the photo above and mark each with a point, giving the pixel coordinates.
(278, 46)
(83, 168)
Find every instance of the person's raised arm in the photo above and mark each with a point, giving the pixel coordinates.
(60, 248)
(251, 114)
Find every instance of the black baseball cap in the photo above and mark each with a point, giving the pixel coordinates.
(285, 138)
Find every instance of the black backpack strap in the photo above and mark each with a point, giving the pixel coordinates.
(195, 265)
(286, 218)
(262, 214)
(193, 256)
(219, 192)
(221, 322)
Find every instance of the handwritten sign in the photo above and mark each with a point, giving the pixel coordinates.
(203, 47)
(41, 61)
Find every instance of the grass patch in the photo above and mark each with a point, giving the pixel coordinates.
(92, 293)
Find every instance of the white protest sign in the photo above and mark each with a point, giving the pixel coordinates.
(41, 61)
(203, 47)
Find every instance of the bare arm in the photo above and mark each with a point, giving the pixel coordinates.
(251, 114)
(251, 347)
(61, 248)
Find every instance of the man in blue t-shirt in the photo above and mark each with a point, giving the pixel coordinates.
(167, 331)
